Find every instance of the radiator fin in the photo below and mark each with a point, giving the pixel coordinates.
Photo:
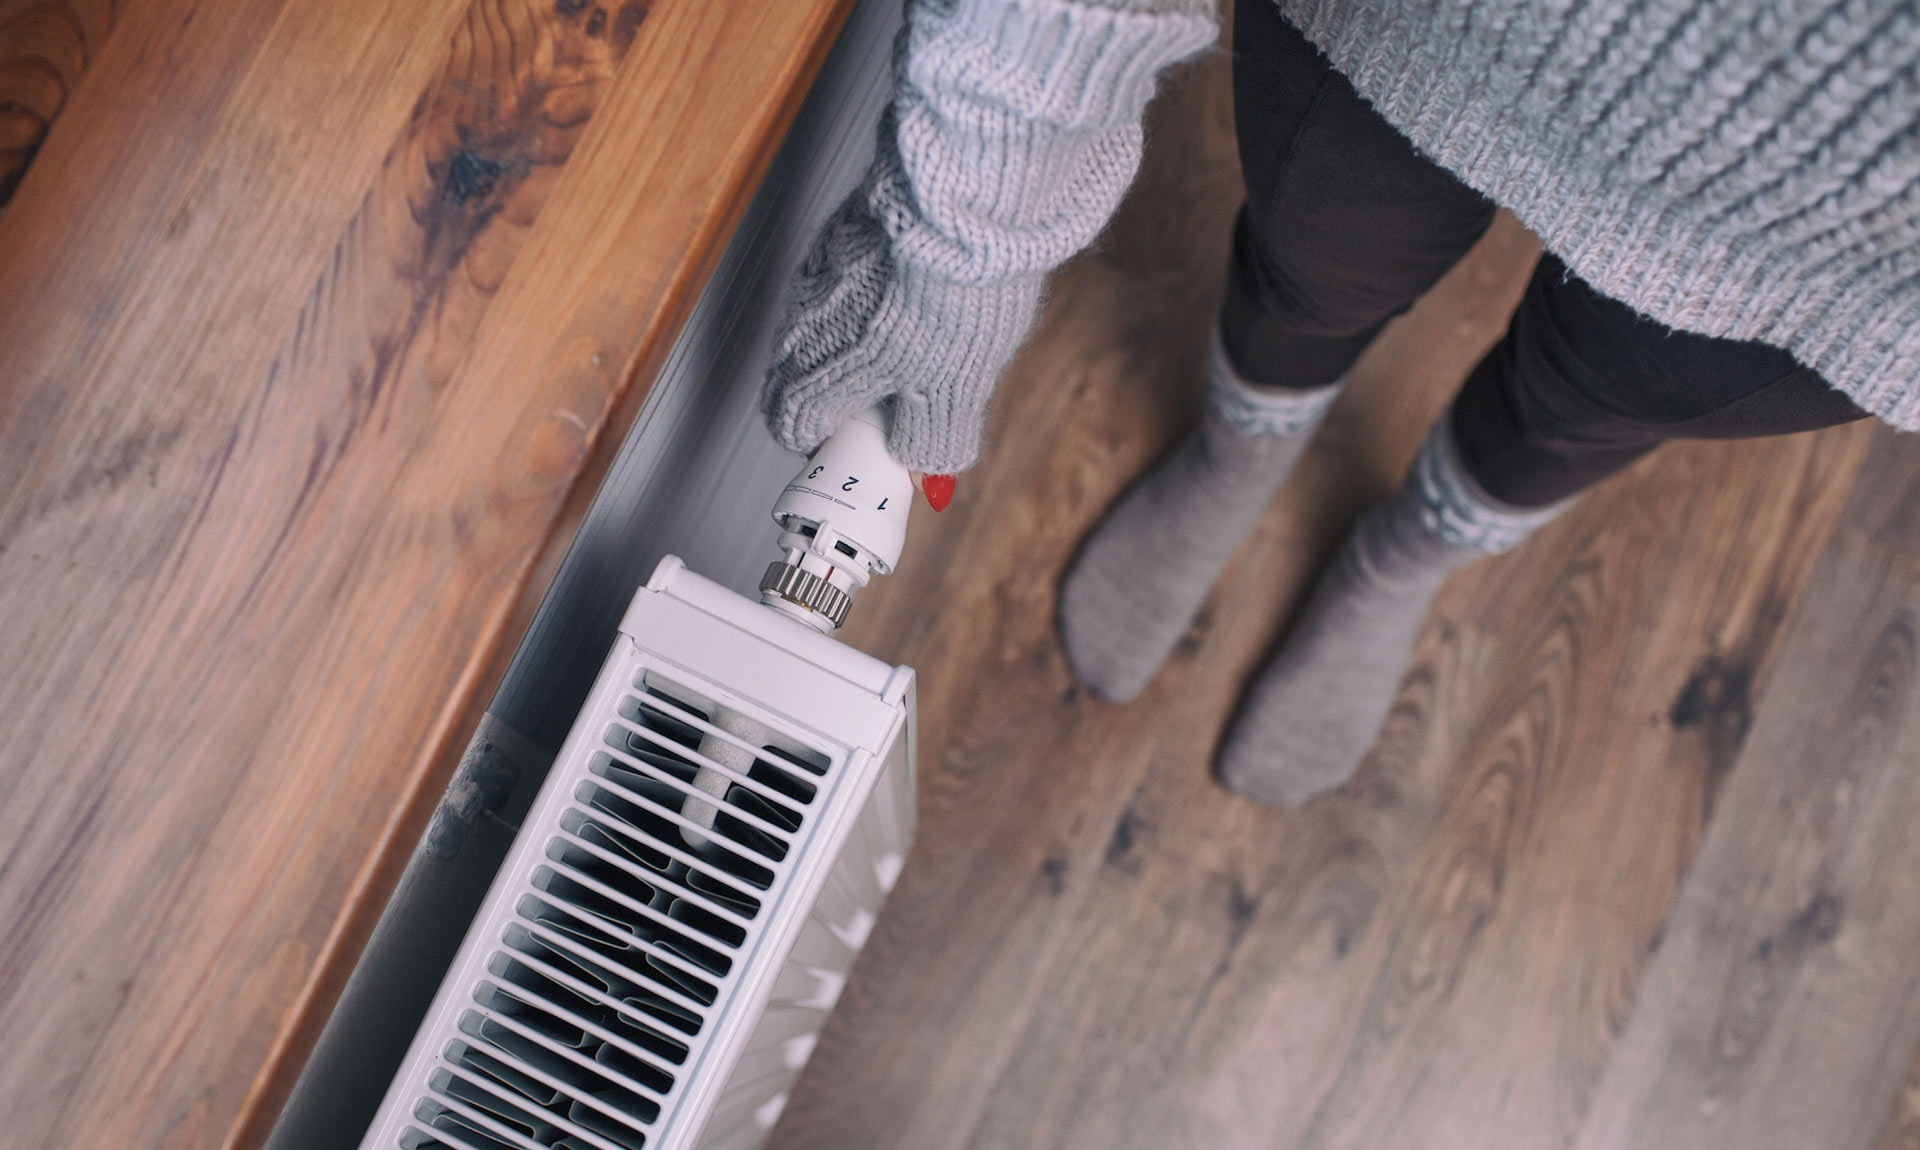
(817, 968)
(600, 987)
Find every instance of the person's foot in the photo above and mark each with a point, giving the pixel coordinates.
(1146, 568)
(1319, 702)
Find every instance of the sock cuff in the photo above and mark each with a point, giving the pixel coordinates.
(1255, 410)
(1456, 508)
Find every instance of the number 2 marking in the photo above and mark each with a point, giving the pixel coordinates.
(848, 485)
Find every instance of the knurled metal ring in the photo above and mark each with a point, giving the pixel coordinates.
(808, 590)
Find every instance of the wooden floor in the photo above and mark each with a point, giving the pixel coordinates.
(1634, 864)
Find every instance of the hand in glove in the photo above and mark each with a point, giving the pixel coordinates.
(1013, 133)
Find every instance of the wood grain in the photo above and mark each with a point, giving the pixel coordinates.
(1092, 946)
(313, 317)
(1903, 1132)
(44, 47)
(1785, 1002)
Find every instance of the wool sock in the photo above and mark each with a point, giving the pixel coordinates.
(1317, 705)
(1147, 567)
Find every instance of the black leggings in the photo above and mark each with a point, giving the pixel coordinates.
(1344, 227)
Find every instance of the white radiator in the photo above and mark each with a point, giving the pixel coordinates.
(702, 865)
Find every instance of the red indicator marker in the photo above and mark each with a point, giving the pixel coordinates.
(939, 489)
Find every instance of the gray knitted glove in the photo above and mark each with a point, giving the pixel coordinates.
(1013, 133)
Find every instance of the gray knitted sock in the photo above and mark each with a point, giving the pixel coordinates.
(1148, 565)
(1315, 708)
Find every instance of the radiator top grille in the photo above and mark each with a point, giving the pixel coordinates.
(601, 987)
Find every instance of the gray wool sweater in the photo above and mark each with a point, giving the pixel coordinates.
(1740, 168)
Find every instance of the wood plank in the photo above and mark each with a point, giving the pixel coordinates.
(45, 45)
(1784, 1007)
(1094, 946)
(1903, 1132)
(314, 316)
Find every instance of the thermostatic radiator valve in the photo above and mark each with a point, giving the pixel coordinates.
(842, 521)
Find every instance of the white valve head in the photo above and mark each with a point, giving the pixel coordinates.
(843, 519)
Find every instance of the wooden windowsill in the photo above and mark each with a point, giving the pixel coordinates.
(319, 324)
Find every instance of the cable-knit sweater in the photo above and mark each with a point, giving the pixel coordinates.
(1740, 168)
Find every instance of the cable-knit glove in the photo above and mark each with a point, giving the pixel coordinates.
(1013, 132)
